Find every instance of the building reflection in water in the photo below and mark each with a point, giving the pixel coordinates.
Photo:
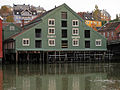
(1, 79)
(57, 77)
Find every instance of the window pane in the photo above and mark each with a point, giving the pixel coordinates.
(37, 33)
(38, 43)
(64, 15)
(64, 23)
(64, 44)
(87, 44)
(87, 33)
(64, 33)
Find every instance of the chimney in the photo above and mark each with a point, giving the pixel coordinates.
(22, 24)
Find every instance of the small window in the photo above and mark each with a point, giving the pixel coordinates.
(12, 28)
(75, 42)
(17, 12)
(87, 33)
(64, 33)
(64, 15)
(75, 23)
(75, 31)
(87, 44)
(51, 30)
(64, 23)
(38, 43)
(98, 42)
(51, 42)
(51, 22)
(107, 34)
(37, 33)
(64, 44)
(104, 34)
(26, 42)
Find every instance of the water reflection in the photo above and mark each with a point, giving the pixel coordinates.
(60, 77)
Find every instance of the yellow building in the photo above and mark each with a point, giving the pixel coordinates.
(90, 21)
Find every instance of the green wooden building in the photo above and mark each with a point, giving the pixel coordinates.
(57, 35)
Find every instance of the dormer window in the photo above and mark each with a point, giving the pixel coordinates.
(86, 18)
(12, 28)
(17, 12)
(34, 13)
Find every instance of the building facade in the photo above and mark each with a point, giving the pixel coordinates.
(1, 51)
(23, 12)
(111, 30)
(105, 16)
(59, 34)
(90, 21)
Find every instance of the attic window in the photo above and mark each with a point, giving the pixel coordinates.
(64, 15)
(17, 12)
(12, 28)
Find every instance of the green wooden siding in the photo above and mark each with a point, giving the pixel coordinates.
(43, 25)
(8, 33)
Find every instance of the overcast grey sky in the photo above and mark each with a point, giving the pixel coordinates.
(112, 6)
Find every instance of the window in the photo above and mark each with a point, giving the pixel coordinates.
(51, 30)
(37, 33)
(12, 28)
(17, 12)
(75, 42)
(64, 15)
(51, 42)
(98, 42)
(75, 23)
(87, 44)
(112, 34)
(64, 23)
(26, 42)
(87, 33)
(107, 34)
(75, 31)
(51, 22)
(38, 43)
(104, 34)
(64, 33)
(64, 44)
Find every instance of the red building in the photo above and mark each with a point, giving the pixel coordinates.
(111, 30)
(1, 80)
(1, 53)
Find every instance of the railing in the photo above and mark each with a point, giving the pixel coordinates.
(113, 38)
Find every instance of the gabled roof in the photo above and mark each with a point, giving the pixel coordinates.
(9, 23)
(110, 26)
(86, 16)
(37, 20)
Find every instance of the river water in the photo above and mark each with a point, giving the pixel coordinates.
(92, 76)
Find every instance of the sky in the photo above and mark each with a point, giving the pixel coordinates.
(111, 6)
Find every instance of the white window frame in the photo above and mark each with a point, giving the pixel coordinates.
(51, 20)
(98, 40)
(77, 40)
(12, 28)
(51, 40)
(50, 32)
(76, 29)
(26, 43)
(75, 22)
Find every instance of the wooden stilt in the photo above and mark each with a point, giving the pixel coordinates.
(16, 57)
